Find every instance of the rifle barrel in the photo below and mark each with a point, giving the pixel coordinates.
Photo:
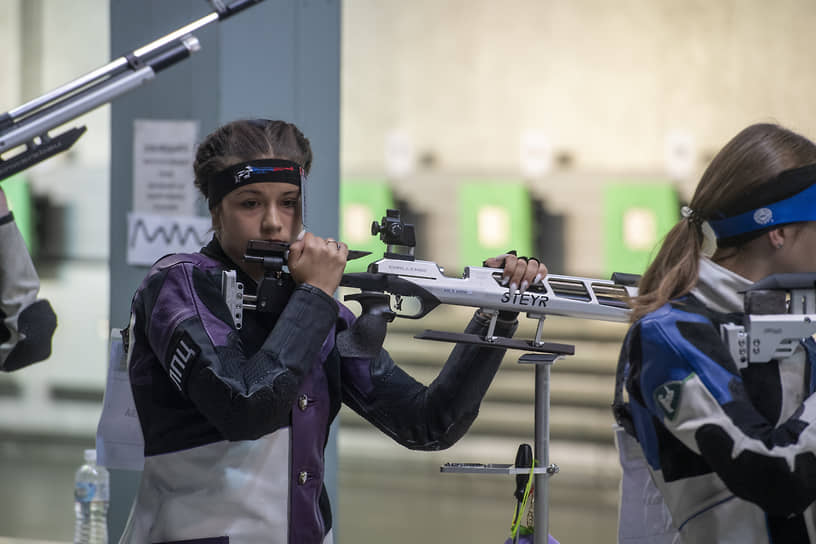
(120, 64)
(58, 114)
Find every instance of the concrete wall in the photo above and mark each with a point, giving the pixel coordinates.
(9, 53)
(606, 80)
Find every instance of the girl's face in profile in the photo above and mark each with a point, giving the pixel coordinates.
(259, 211)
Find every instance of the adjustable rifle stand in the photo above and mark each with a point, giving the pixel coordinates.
(541, 478)
(542, 355)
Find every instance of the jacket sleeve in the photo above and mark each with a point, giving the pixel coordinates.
(26, 323)
(423, 417)
(693, 389)
(182, 315)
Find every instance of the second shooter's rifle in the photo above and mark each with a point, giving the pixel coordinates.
(24, 137)
(780, 311)
(398, 285)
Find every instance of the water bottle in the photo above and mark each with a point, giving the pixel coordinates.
(91, 502)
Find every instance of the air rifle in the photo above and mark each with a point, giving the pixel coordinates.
(398, 285)
(27, 126)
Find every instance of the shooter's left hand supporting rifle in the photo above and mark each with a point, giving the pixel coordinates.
(27, 126)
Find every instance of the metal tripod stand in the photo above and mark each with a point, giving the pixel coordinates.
(543, 469)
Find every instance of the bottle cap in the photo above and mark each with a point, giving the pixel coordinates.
(90, 456)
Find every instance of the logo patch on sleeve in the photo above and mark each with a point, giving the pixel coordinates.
(182, 354)
(667, 398)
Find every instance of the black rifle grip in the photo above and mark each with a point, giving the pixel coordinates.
(365, 337)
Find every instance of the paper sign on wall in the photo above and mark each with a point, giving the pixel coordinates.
(163, 153)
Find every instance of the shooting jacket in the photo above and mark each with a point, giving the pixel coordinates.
(732, 452)
(235, 421)
(26, 323)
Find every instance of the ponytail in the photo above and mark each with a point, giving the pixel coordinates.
(674, 270)
(735, 175)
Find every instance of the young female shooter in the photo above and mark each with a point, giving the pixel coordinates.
(235, 420)
(732, 452)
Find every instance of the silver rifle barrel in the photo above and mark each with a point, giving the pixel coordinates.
(109, 70)
(102, 93)
(59, 114)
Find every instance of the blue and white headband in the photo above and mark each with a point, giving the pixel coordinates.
(797, 208)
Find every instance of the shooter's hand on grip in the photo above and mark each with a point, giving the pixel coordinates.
(519, 272)
(318, 261)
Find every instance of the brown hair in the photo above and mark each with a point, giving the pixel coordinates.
(247, 140)
(728, 187)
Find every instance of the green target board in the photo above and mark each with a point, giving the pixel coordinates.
(20, 203)
(494, 217)
(637, 216)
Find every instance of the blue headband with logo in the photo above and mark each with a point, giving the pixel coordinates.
(799, 207)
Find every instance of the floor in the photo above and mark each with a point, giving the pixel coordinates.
(401, 499)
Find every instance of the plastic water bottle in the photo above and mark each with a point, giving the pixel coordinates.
(91, 497)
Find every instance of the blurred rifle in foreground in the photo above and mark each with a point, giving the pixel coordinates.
(27, 126)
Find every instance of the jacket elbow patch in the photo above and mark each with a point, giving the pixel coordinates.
(36, 325)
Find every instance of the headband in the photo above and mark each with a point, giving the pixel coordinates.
(796, 208)
(257, 171)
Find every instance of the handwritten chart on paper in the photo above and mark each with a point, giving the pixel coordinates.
(151, 236)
